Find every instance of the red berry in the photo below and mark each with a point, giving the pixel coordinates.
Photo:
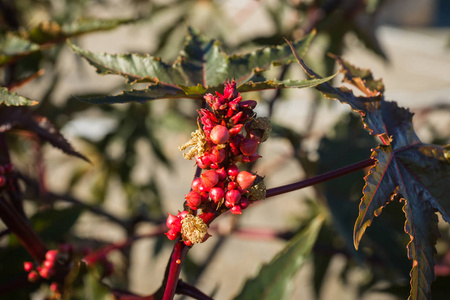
(245, 179)
(216, 194)
(233, 170)
(217, 156)
(49, 264)
(46, 272)
(244, 203)
(209, 178)
(219, 135)
(236, 210)
(182, 214)
(51, 255)
(54, 287)
(193, 199)
(248, 146)
(233, 197)
(188, 243)
(33, 276)
(28, 266)
(199, 162)
(196, 183)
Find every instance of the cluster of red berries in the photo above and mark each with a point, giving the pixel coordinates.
(4, 170)
(54, 260)
(229, 133)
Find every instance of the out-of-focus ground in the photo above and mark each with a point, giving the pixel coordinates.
(417, 76)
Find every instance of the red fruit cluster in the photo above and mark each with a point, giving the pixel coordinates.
(54, 259)
(228, 134)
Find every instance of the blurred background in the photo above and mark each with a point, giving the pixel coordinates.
(137, 174)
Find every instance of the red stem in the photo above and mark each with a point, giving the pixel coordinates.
(319, 179)
(22, 229)
(176, 260)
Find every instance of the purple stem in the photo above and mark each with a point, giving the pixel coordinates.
(319, 179)
(179, 252)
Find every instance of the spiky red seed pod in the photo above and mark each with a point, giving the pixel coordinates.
(232, 185)
(245, 179)
(236, 129)
(236, 210)
(196, 184)
(173, 222)
(248, 146)
(28, 266)
(209, 178)
(244, 203)
(193, 199)
(219, 135)
(33, 276)
(171, 234)
(233, 197)
(221, 173)
(216, 194)
(232, 170)
(182, 214)
(51, 255)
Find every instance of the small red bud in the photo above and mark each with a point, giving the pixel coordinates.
(216, 194)
(51, 255)
(233, 197)
(217, 156)
(188, 243)
(182, 214)
(49, 264)
(221, 173)
(233, 170)
(173, 222)
(54, 287)
(236, 129)
(46, 272)
(235, 119)
(245, 179)
(209, 178)
(199, 162)
(33, 276)
(193, 199)
(219, 135)
(244, 203)
(232, 185)
(236, 210)
(28, 266)
(248, 146)
(196, 183)
(171, 234)
(248, 104)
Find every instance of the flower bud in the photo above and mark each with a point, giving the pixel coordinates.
(244, 203)
(209, 178)
(236, 210)
(219, 135)
(216, 194)
(233, 170)
(235, 119)
(232, 185)
(233, 197)
(236, 129)
(49, 264)
(54, 287)
(46, 272)
(245, 179)
(196, 184)
(193, 199)
(248, 146)
(182, 214)
(217, 156)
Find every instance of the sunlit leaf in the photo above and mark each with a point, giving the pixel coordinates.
(9, 98)
(274, 280)
(13, 47)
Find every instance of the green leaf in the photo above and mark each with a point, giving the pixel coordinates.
(13, 47)
(200, 68)
(9, 98)
(417, 174)
(275, 279)
(277, 84)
